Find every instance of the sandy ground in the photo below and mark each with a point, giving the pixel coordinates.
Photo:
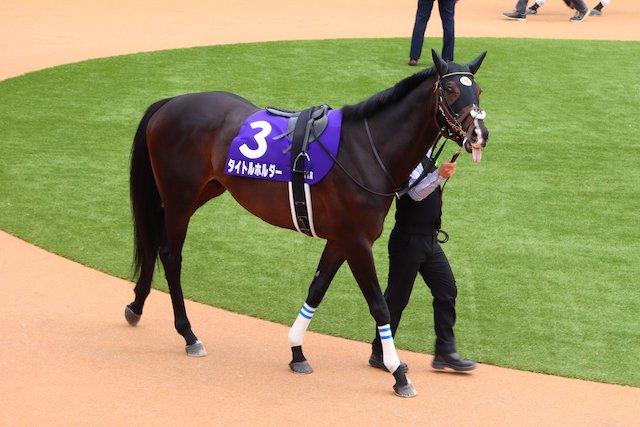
(68, 358)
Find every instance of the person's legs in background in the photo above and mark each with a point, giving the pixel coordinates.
(581, 10)
(447, 9)
(534, 7)
(419, 27)
(519, 14)
(597, 9)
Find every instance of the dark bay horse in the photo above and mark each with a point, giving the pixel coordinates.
(179, 159)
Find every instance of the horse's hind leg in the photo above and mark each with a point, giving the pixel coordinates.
(329, 264)
(133, 311)
(171, 256)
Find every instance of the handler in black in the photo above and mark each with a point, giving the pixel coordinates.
(413, 249)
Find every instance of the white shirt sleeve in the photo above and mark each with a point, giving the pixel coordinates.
(426, 186)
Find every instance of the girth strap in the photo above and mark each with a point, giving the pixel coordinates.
(300, 194)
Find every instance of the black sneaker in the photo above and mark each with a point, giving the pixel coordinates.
(376, 361)
(532, 11)
(453, 361)
(580, 16)
(515, 16)
(595, 12)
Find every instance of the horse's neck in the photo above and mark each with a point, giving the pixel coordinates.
(406, 131)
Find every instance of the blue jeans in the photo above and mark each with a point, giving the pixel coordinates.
(447, 13)
(521, 6)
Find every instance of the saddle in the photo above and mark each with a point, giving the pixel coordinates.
(319, 121)
(304, 127)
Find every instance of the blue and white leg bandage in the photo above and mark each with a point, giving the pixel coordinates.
(296, 333)
(389, 355)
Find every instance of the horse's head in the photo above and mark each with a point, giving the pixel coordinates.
(458, 105)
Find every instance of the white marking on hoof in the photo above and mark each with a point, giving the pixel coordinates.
(196, 349)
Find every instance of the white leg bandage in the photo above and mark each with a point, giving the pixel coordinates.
(296, 333)
(389, 355)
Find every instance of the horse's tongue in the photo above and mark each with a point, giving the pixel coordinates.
(477, 154)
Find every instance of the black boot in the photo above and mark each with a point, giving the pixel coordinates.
(452, 361)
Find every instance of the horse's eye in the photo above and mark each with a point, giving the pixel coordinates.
(449, 90)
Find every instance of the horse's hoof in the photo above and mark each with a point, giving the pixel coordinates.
(403, 386)
(406, 390)
(131, 316)
(196, 349)
(301, 367)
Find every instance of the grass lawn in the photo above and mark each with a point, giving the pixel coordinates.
(544, 232)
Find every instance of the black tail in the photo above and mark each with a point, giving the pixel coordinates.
(146, 206)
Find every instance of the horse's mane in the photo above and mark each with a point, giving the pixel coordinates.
(388, 96)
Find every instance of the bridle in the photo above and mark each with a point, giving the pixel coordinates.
(447, 117)
(449, 124)
(449, 127)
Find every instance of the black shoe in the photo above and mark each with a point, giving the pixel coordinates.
(452, 361)
(515, 16)
(376, 361)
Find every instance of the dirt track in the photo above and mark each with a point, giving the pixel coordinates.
(67, 356)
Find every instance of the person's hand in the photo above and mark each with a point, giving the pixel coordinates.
(447, 169)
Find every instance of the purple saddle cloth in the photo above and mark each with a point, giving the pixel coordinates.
(261, 150)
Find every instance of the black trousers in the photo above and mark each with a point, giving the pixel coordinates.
(447, 14)
(410, 254)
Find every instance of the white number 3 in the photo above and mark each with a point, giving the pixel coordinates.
(256, 153)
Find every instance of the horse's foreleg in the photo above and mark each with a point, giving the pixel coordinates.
(329, 264)
(360, 261)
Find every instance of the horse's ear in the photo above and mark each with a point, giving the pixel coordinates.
(475, 64)
(441, 66)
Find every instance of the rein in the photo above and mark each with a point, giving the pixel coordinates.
(375, 152)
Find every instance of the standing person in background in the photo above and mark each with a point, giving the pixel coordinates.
(447, 13)
(520, 13)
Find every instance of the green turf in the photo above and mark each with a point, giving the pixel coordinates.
(544, 232)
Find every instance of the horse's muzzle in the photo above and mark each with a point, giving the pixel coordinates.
(477, 135)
